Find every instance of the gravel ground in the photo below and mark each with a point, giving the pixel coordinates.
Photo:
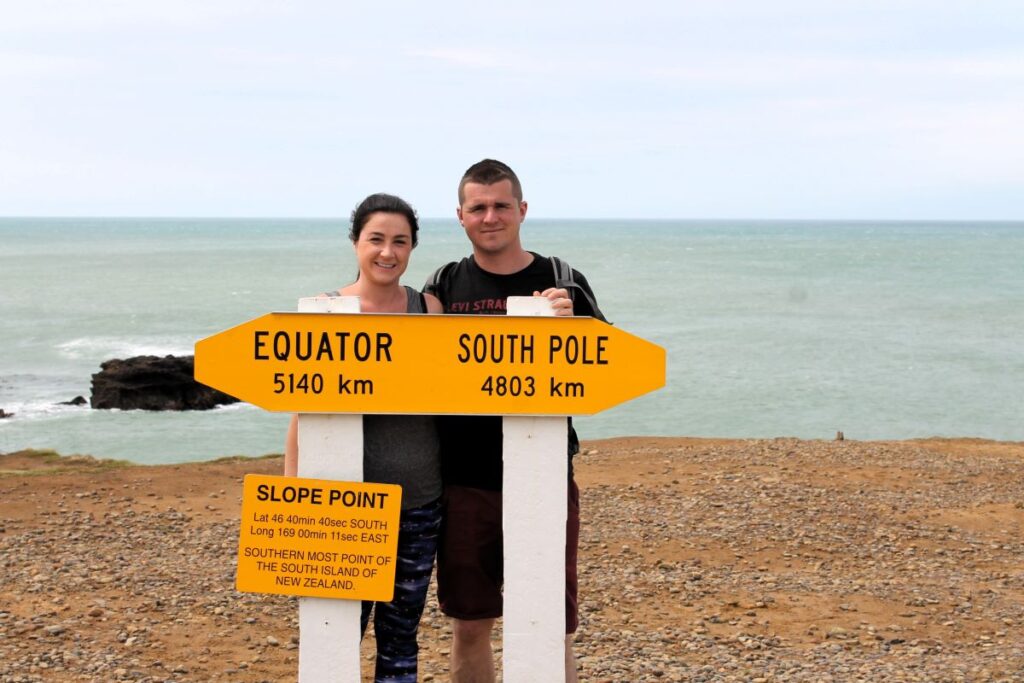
(701, 560)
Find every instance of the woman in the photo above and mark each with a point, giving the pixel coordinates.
(397, 449)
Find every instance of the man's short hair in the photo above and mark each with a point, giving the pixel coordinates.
(489, 172)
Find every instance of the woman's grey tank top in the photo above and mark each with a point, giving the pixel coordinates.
(404, 449)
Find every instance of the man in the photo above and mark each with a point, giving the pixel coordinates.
(470, 564)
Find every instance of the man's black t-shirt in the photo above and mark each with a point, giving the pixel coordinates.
(471, 446)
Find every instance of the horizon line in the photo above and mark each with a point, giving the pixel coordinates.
(549, 218)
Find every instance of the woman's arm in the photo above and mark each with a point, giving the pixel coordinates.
(434, 304)
(291, 448)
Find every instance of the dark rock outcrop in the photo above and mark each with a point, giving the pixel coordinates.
(4, 413)
(76, 401)
(153, 383)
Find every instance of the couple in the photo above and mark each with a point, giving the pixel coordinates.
(459, 520)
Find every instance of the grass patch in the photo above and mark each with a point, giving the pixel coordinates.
(32, 462)
(240, 458)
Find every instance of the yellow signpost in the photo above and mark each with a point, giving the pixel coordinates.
(318, 538)
(327, 538)
(429, 364)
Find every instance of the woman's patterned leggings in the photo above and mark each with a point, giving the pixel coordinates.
(395, 623)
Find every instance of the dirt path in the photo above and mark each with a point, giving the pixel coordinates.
(701, 560)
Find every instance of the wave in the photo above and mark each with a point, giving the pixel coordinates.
(234, 407)
(107, 347)
(30, 411)
(21, 411)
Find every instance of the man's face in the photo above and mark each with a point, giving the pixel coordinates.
(491, 215)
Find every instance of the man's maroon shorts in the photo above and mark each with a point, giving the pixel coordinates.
(470, 569)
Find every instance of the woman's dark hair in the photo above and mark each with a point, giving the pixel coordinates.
(382, 203)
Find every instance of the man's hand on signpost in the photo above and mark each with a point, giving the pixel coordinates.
(560, 301)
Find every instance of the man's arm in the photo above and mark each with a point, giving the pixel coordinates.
(584, 303)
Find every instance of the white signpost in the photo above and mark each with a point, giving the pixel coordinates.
(534, 510)
(274, 362)
(535, 500)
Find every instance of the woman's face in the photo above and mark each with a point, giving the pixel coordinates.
(383, 248)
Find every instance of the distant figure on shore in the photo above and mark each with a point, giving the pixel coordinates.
(397, 449)
(470, 570)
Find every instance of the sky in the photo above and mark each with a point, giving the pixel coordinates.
(640, 109)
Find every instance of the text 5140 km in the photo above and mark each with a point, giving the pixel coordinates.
(314, 383)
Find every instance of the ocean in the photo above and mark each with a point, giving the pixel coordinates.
(882, 330)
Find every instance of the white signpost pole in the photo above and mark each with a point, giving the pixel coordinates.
(330, 447)
(535, 483)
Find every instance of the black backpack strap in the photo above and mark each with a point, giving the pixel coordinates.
(433, 283)
(563, 274)
(564, 279)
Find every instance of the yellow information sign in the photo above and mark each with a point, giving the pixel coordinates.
(318, 538)
(429, 364)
